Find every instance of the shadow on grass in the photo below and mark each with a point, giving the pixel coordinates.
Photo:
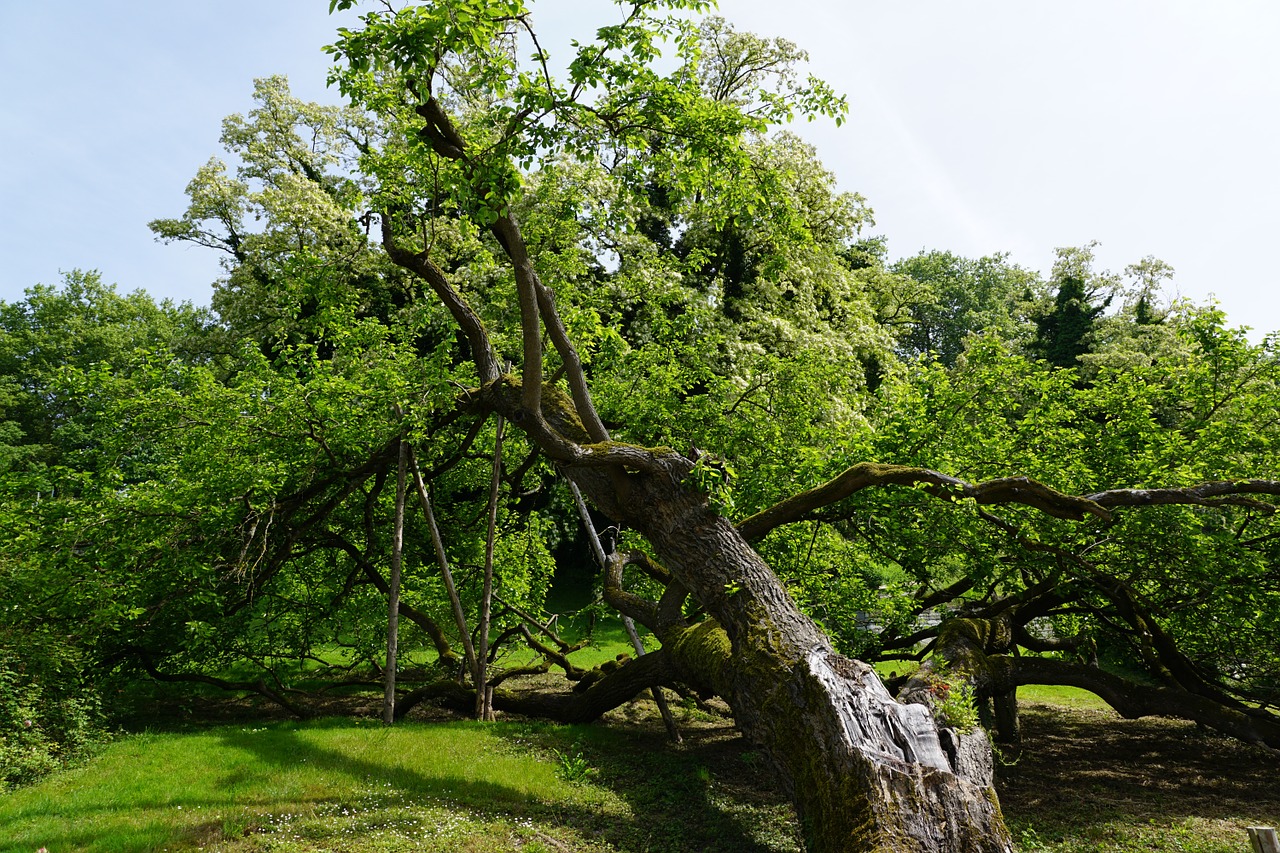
(237, 794)
(1081, 770)
(286, 748)
(710, 794)
(700, 797)
(680, 799)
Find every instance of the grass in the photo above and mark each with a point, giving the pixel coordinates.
(1087, 780)
(1084, 780)
(1060, 696)
(285, 780)
(342, 784)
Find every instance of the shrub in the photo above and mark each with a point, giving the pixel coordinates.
(954, 704)
(45, 719)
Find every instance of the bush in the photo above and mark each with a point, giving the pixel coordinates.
(954, 704)
(45, 720)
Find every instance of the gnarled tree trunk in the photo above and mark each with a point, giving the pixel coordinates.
(866, 773)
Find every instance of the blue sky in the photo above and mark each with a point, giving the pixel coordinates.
(993, 126)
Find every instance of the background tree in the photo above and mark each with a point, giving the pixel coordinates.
(1064, 332)
(966, 297)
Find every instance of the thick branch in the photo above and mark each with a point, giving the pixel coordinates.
(1022, 490)
(530, 329)
(572, 671)
(439, 131)
(467, 319)
(1132, 700)
(1218, 493)
(606, 693)
(627, 603)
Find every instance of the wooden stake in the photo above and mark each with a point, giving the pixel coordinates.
(628, 623)
(459, 615)
(1264, 839)
(484, 693)
(393, 594)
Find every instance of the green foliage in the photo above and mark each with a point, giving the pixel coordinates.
(199, 494)
(714, 478)
(962, 298)
(574, 766)
(1064, 333)
(48, 715)
(953, 702)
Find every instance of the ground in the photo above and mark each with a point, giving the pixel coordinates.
(1084, 781)
(1087, 780)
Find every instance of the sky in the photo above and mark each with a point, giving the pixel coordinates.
(1150, 126)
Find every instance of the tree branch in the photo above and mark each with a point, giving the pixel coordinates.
(466, 318)
(1132, 700)
(1022, 490)
(1217, 493)
(605, 693)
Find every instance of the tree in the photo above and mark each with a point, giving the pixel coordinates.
(865, 771)
(586, 232)
(1064, 332)
(1162, 590)
(66, 353)
(818, 714)
(966, 297)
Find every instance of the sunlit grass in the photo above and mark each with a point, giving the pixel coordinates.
(285, 786)
(1062, 696)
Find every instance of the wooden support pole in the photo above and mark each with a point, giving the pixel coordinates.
(1264, 839)
(393, 594)
(484, 691)
(628, 623)
(459, 616)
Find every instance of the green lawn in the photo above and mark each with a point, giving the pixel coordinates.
(354, 785)
(1061, 696)
(1084, 781)
(294, 784)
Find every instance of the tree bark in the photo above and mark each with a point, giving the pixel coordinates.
(628, 623)
(865, 772)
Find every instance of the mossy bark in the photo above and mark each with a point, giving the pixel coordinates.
(865, 772)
